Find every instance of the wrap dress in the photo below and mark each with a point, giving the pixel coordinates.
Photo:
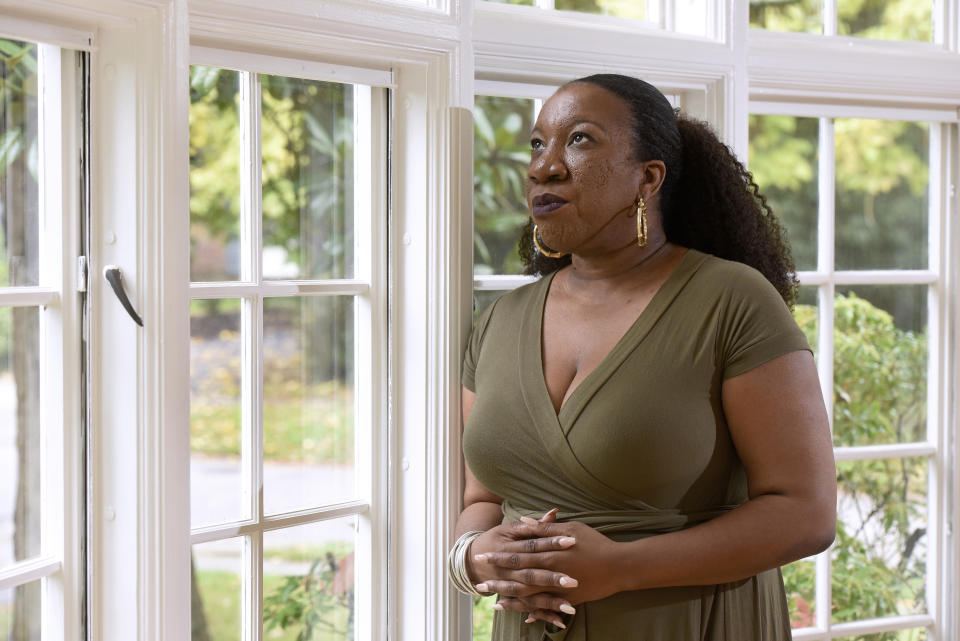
(640, 447)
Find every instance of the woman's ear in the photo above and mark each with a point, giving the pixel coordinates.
(654, 173)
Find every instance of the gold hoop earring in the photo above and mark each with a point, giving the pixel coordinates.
(641, 223)
(540, 248)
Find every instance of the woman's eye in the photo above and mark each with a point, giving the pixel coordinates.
(536, 143)
(578, 137)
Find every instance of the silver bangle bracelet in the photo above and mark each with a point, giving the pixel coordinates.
(457, 563)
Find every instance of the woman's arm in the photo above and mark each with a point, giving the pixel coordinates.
(481, 507)
(779, 426)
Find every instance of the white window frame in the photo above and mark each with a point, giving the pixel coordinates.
(368, 291)
(58, 566)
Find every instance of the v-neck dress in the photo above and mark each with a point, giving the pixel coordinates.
(639, 448)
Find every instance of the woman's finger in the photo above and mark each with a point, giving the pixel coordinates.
(533, 614)
(533, 546)
(545, 615)
(539, 601)
(528, 563)
(506, 588)
(549, 517)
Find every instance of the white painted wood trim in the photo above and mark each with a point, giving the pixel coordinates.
(499, 282)
(28, 296)
(27, 571)
(896, 450)
(277, 288)
(874, 626)
(230, 530)
(293, 67)
(801, 103)
(18, 28)
(869, 277)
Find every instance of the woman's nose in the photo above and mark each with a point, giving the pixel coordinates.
(547, 166)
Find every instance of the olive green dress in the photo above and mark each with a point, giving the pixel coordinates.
(641, 446)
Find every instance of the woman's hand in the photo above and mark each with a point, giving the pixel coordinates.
(593, 559)
(512, 538)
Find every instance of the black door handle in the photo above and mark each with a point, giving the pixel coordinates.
(115, 277)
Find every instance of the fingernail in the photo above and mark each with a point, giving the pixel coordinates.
(480, 557)
(551, 512)
(482, 587)
(529, 620)
(569, 609)
(566, 541)
(527, 520)
(568, 582)
(560, 625)
(497, 606)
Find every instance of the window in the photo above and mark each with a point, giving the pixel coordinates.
(885, 19)
(40, 421)
(287, 410)
(855, 197)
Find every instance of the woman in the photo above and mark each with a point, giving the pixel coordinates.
(651, 393)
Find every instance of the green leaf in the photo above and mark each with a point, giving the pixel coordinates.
(11, 144)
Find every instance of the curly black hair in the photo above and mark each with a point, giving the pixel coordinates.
(708, 199)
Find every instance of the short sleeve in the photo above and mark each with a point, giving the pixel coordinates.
(756, 325)
(471, 355)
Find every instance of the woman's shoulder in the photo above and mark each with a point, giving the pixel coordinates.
(731, 278)
(516, 300)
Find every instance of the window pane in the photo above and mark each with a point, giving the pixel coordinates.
(308, 134)
(633, 9)
(483, 617)
(886, 19)
(19, 435)
(783, 161)
(20, 613)
(308, 581)
(501, 153)
(216, 596)
(806, 313)
(786, 15)
(216, 479)
(880, 364)
(308, 428)
(215, 180)
(19, 190)
(879, 559)
(882, 181)
(526, 2)
(800, 582)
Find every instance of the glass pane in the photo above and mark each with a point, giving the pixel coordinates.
(806, 313)
(19, 435)
(786, 15)
(526, 2)
(308, 429)
(215, 174)
(308, 134)
(308, 581)
(800, 582)
(19, 190)
(879, 559)
(886, 19)
(880, 364)
(216, 479)
(483, 617)
(633, 9)
(20, 613)
(784, 164)
(216, 591)
(882, 181)
(914, 634)
(501, 153)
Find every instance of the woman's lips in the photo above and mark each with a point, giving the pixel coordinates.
(546, 204)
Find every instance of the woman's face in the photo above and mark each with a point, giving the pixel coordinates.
(583, 181)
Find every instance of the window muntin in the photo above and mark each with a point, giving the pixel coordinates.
(291, 345)
(874, 349)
